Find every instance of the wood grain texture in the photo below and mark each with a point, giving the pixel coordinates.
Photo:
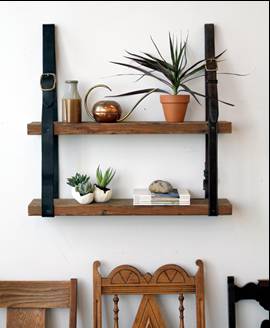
(37, 294)
(69, 207)
(73, 303)
(200, 295)
(168, 279)
(97, 296)
(27, 301)
(26, 318)
(149, 314)
(191, 127)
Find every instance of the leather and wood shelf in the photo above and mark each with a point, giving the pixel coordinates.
(69, 207)
(147, 127)
(50, 128)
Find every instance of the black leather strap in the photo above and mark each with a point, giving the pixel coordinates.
(212, 114)
(50, 175)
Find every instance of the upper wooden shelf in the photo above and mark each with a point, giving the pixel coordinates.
(191, 127)
(69, 207)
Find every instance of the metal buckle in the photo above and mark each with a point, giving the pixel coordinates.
(46, 75)
(211, 65)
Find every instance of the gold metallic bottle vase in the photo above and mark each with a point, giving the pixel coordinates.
(71, 103)
(72, 110)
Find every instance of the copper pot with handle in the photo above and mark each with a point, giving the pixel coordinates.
(108, 111)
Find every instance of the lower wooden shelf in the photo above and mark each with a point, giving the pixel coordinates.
(69, 207)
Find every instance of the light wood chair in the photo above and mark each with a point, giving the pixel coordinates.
(27, 301)
(169, 279)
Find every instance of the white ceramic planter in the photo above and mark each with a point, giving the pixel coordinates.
(84, 200)
(100, 196)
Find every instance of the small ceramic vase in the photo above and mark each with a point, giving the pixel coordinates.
(102, 196)
(84, 200)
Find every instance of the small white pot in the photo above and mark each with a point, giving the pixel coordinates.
(101, 196)
(84, 200)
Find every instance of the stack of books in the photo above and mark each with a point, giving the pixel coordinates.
(176, 197)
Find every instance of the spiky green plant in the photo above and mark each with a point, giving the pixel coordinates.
(84, 188)
(174, 73)
(78, 179)
(103, 180)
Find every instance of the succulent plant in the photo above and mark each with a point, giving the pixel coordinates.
(84, 188)
(104, 179)
(78, 179)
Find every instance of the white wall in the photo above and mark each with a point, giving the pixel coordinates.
(89, 35)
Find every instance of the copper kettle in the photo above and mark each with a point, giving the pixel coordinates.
(108, 111)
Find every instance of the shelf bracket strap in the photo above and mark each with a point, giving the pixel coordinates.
(50, 162)
(212, 114)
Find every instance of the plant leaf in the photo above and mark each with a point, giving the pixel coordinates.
(222, 53)
(163, 63)
(183, 62)
(142, 76)
(193, 78)
(193, 72)
(193, 93)
(233, 74)
(155, 45)
(202, 95)
(153, 58)
(153, 65)
(199, 62)
(143, 71)
(172, 49)
(138, 92)
(192, 67)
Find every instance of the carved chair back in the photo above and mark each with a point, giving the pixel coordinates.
(169, 279)
(27, 301)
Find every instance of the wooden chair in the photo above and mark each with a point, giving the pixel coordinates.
(259, 292)
(169, 279)
(27, 301)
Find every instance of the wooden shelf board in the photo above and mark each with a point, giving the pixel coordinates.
(191, 127)
(69, 207)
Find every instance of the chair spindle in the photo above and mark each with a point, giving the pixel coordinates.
(181, 310)
(116, 311)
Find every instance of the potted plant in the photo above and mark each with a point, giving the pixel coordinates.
(81, 188)
(102, 193)
(174, 74)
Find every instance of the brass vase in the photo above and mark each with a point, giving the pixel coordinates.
(108, 111)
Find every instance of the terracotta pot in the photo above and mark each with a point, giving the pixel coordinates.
(175, 107)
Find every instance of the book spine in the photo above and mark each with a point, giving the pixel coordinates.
(161, 203)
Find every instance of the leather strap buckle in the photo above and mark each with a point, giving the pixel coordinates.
(211, 65)
(48, 81)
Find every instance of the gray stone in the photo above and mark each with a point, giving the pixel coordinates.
(160, 186)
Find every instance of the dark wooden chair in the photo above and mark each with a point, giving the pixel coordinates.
(27, 301)
(259, 292)
(169, 279)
